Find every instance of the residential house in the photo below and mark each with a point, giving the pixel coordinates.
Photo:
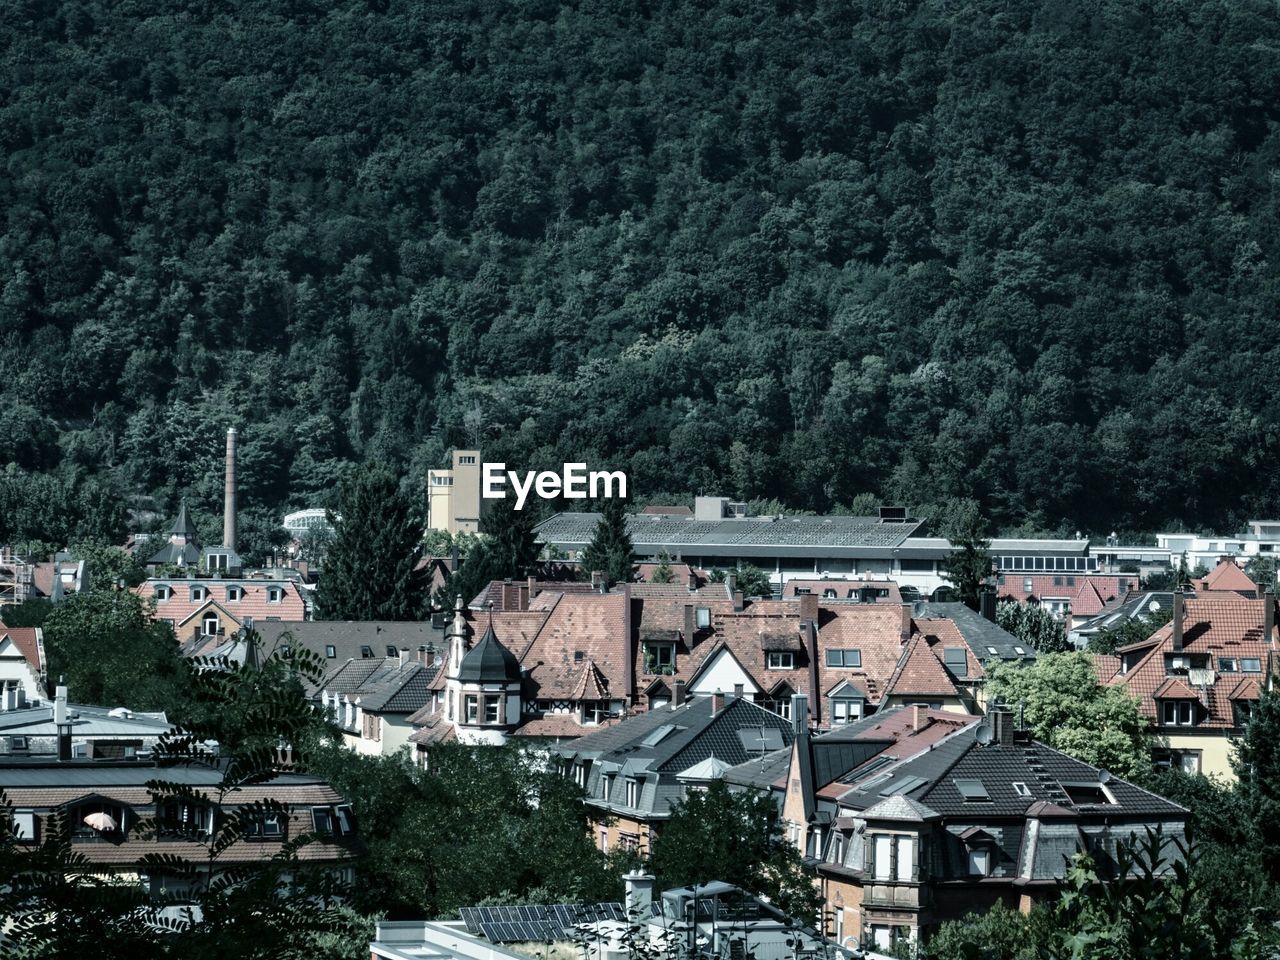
(22, 664)
(114, 846)
(633, 773)
(1136, 605)
(372, 700)
(337, 641)
(858, 590)
(1227, 577)
(983, 815)
(1071, 597)
(205, 611)
(39, 728)
(1198, 677)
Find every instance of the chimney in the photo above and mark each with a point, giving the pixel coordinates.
(917, 717)
(62, 723)
(530, 590)
(738, 603)
(904, 630)
(810, 630)
(629, 648)
(799, 714)
(730, 584)
(422, 653)
(717, 702)
(1001, 725)
(597, 581)
(688, 624)
(229, 496)
(639, 895)
(677, 694)
(1177, 621)
(693, 582)
(508, 595)
(738, 691)
(809, 606)
(1269, 616)
(987, 600)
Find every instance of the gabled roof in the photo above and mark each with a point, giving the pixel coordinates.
(383, 685)
(1175, 688)
(1246, 689)
(27, 641)
(1227, 577)
(712, 768)
(593, 685)
(920, 673)
(182, 526)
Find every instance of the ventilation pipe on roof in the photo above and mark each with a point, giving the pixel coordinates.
(1178, 603)
(904, 629)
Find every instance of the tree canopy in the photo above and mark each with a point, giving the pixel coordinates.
(802, 251)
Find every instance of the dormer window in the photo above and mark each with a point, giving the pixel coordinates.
(162, 592)
(957, 660)
(780, 660)
(660, 658)
(1178, 713)
(235, 594)
(275, 594)
(199, 594)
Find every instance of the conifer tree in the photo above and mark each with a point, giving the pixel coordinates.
(371, 570)
(1257, 764)
(610, 548)
(663, 573)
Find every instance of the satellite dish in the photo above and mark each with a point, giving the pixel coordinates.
(982, 733)
(1154, 606)
(1104, 775)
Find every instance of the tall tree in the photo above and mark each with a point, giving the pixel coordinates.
(610, 550)
(1257, 763)
(513, 546)
(371, 571)
(1034, 625)
(1066, 707)
(969, 562)
(735, 837)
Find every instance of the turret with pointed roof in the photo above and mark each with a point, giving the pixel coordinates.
(183, 548)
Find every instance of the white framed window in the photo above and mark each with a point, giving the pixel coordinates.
(472, 703)
(780, 660)
(633, 793)
(199, 593)
(844, 658)
(659, 658)
(162, 592)
(330, 651)
(845, 711)
(275, 594)
(702, 617)
(491, 711)
(883, 858)
(235, 594)
(1178, 713)
(209, 624)
(906, 871)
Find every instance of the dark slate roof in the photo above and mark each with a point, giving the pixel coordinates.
(978, 632)
(183, 526)
(383, 685)
(739, 536)
(489, 662)
(1134, 606)
(187, 554)
(349, 637)
(762, 773)
(997, 766)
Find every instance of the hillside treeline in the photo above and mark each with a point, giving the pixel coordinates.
(1019, 251)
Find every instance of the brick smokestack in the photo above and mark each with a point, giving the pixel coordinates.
(1177, 621)
(229, 496)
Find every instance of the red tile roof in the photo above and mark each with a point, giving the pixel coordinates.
(1247, 689)
(1220, 626)
(843, 589)
(179, 608)
(1012, 585)
(1227, 577)
(1175, 688)
(874, 629)
(578, 628)
(920, 673)
(28, 641)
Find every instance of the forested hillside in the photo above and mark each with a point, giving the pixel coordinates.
(1025, 252)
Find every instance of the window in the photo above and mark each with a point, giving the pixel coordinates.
(182, 819)
(1057, 581)
(330, 651)
(235, 594)
(844, 658)
(344, 819)
(629, 841)
(1177, 713)
(372, 727)
(1228, 665)
(1021, 789)
(1020, 651)
(24, 826)
(491, 705)
(781, 706)
(366, 652)
(472, 709)
(883, 865)
(209, 625)
(217, 561)
(466, 460)
(595, 711)
(979, 861)
(659, 658)
(1027, 584)
(1242, 711)
(199, 593)
(973, 791)
(322, 821)
(1251, 665)
(579, 656)
(957, 660)
(17, 743)
(784, 660)
(1083, 794)
(83, 831)
(266, 826)
(275, 594)
(803, 591)
(702, 616)
(845, 710)
(580, 774)
(906, 859)
(633, 793)
(993, 651)
(391, 650)
(163, 592)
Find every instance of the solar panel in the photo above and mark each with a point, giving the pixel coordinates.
(902, 785)
(535, 922)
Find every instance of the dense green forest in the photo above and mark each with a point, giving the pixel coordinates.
(1020, 251)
